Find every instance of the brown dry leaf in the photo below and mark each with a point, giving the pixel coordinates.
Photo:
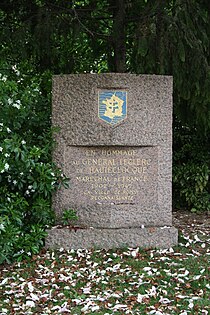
(146, 300)
(130, 307)
(157, 305)
(151, 230)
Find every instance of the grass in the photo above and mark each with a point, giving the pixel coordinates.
(126, 281)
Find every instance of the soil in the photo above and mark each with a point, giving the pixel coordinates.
(190, 223)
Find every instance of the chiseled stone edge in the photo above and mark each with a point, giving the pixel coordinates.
(150, 237)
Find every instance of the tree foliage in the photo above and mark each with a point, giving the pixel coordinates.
(141, 36)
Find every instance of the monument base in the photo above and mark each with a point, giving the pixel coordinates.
(75, 238)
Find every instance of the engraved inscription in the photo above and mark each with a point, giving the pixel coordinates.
(111, 175)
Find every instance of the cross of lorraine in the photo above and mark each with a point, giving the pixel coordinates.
(112, 106)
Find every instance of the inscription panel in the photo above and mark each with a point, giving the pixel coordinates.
(112, 175)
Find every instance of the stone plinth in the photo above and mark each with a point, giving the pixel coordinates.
(153, 237)
(115, 144)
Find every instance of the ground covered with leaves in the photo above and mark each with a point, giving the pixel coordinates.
(126, 281)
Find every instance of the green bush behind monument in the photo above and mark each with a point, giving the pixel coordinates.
(191, 169)
(27, 175)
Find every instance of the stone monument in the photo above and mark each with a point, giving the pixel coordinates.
(115, 145)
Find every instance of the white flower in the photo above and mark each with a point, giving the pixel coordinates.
(6, 166)
(8, 130)
(20, 252)
(1, 124)
(1, 227)
(10, 101)
(23, 142)
(21, 174)
(3, 77)
(16, 105)
(1, 149)
(14, 68)
(27, 192)
(6, 155)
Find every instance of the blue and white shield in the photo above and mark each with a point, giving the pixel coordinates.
(112, 106)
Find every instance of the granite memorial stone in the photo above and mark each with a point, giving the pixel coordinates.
(115, 145)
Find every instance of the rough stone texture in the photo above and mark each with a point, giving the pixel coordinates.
(82, 150)
(112, 238)
(148, 123)
(113, 203)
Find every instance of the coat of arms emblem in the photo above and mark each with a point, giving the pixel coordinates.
(112, 106)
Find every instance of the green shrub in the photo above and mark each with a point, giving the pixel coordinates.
(69, 216)
(191, 170)
(27, 175)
